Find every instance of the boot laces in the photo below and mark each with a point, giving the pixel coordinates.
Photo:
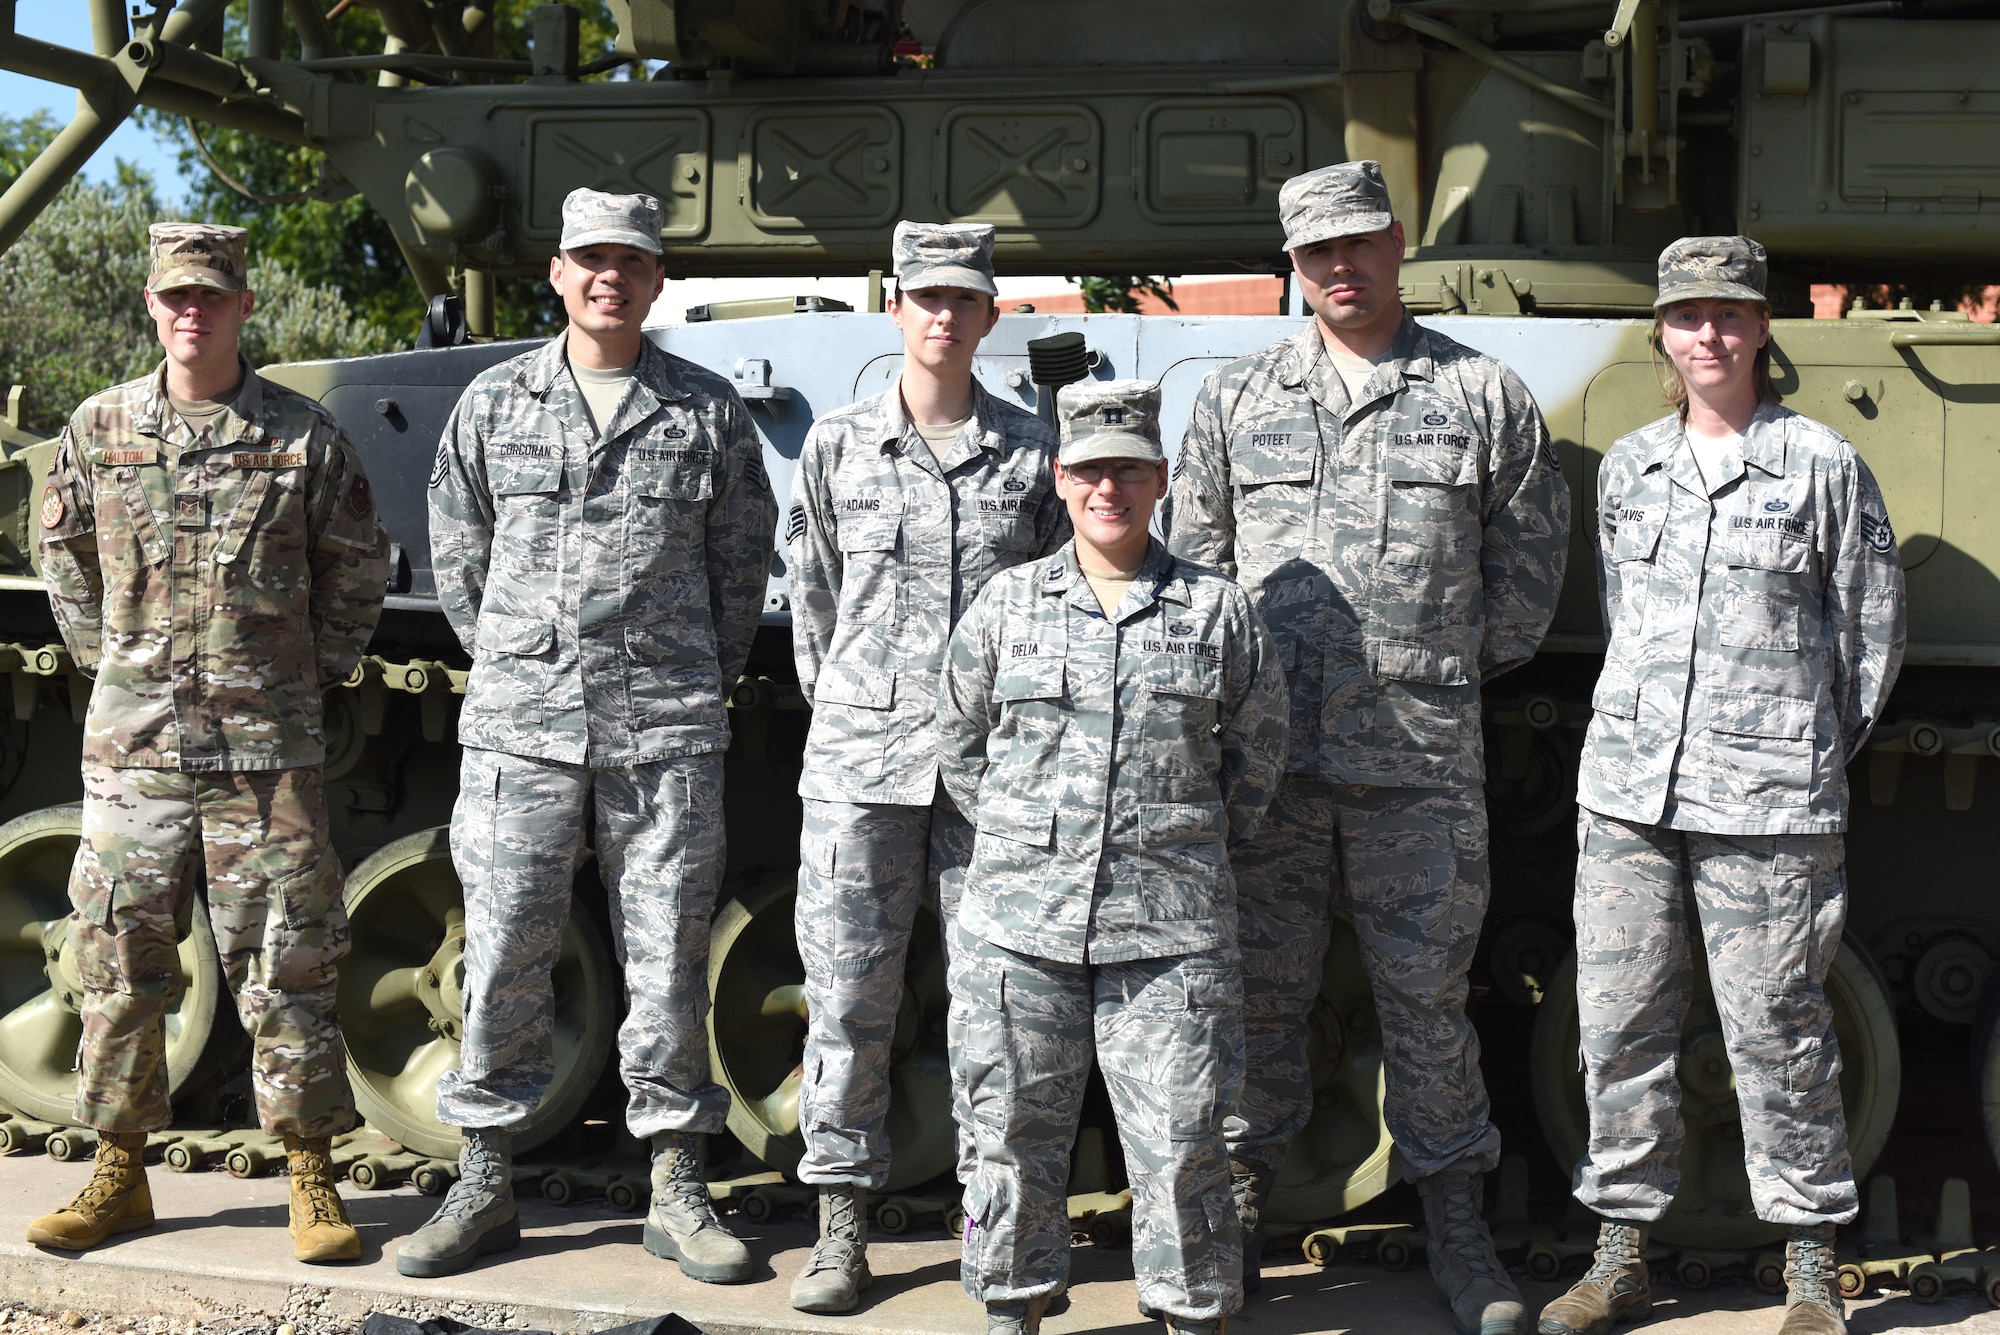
(311, 1180)
(104, 1182)
(482, 1163)
(1808, 1263)
(684, 1181)
(831, 1252)
(1465, 1233)
(1617, 1252)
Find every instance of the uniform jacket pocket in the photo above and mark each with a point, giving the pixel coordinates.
(1166, 823)
(1763, 749)
(1431, 511)
(1406, 660)
(1031, 823)
(503, 634)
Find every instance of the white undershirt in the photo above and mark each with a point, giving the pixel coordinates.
(1711, 453)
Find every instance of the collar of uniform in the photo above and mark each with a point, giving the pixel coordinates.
(655, 371)
(1763, 440)
(1159, 575)
(241, 423)
(1306, 350)
(894, 423)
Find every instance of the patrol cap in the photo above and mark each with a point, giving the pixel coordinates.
(593, 218)
(944, 255)
(1346, 199)
(1109, 419)
(1729, 267)
(197, 255)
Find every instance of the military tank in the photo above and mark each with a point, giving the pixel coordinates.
(1540, 154)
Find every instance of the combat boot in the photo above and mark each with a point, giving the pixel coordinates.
(1483, 1299)
(115, 1200)
(837, 1270)
(319, 1227)
(1251, 1184)
(1017, 1318)
(1180, 1325)
(477, 1217)
(1617, 1287)
(681, 1225)
(1812, 1284)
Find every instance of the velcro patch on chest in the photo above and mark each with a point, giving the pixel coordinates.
(1032, 649)
(662, 454)
(136, 454)
(1003, 505)
(268, 459)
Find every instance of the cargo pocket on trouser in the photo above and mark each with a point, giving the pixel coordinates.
(286, 1001)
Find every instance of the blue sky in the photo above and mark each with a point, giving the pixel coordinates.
(68, 23)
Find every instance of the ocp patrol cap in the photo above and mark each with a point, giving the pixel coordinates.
(1732, 268)
(1346, 199)
(594, 218)
(944, 255)
(197, 255)
(1109, 419)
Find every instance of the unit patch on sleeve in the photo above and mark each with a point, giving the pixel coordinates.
(53, 507)
(359, 499)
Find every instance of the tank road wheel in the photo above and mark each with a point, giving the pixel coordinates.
(757, 1033)
(402, 1005)
(40, 992)
(1713, 1210)
(1345, 1155)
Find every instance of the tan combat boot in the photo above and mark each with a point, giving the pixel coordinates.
(115, 1200)
(319, 1228)
(1812, 1284)
(681, 1225)
(1616, 1288)
(837, 1270)
(1483, 1299)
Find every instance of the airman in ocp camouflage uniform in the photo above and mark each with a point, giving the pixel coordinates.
(601, 526)
(214, 558)
(1753, 598)
(1112, 720)
(906, 504)
(1391, 501)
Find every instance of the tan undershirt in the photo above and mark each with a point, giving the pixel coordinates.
(1109, 586)
(941, 437)
(1354, 371)
(199, 414)
(601, 391)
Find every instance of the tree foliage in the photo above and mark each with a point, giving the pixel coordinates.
(75, 319)
(1124, 294)
(346, 243)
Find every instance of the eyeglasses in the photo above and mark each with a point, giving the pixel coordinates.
(1125, 472)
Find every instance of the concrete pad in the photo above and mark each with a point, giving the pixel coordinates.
(220, 1248)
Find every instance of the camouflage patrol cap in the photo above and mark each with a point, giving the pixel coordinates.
(1109, 419)
(1730, 267)
(944, 255)
(593, 218)
(197, 255)
(1346, 199)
